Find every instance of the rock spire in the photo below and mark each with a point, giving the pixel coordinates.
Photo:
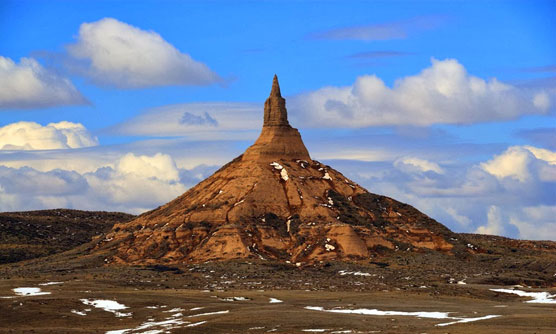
(275, 113)
(278, 140)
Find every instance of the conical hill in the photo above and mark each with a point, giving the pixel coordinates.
(275, 202)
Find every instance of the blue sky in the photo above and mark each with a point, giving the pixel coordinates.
(446, 105)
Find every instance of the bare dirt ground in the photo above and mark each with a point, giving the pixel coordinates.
(199, 299)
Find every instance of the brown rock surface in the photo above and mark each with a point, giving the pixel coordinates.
(275, 202)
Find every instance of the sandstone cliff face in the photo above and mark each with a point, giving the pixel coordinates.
(275, 202)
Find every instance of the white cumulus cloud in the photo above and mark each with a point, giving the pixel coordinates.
(523, 163)
(33, 136)
(444, 93)
(137, 182)
(495, 224)
(160, 166)
(30, 85)
(118, 54)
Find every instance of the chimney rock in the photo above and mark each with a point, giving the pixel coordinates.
(278, 140)
(275, 113)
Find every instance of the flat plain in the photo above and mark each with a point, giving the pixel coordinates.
(246, 297)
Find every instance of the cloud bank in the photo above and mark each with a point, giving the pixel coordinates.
(33, 136)
(29, 85)
(132, 183)
(510, 194)
(111, 52)
(442, 93)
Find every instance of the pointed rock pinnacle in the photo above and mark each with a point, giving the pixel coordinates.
(278, 140)
(275, 91)
(275, 113)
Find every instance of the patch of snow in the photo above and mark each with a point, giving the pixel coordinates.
(78, 312)
(176, 315)
(284, 174)
(51, 283)
(119, 331)
(196, 308)
(316, 330)
(165, 326)
(234, 299)
(274, 300)
(276, 165)
(177, 309)
(354, 273)
(462, 282)
(330, 201)
(196, 324)
(464, 320)
(537, 297)
(108, 306)
(209, 313)
(364, 311)
(238, 203)
(29, 292)
(329, 247)
(421, 314)
(326, 176)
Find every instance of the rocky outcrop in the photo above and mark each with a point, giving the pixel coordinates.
(275, 202)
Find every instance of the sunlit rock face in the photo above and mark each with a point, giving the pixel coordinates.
(275, 202)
